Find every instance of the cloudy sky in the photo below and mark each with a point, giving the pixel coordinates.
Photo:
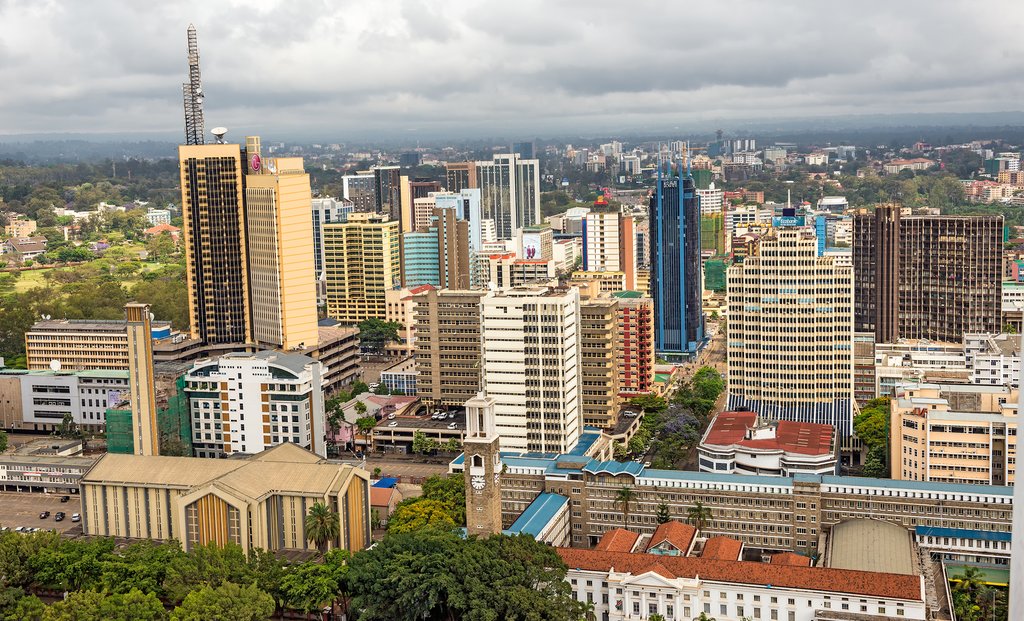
(539, 67)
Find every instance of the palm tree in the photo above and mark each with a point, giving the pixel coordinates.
(703, 617)
(698, 516)
(322, 526)
(624, 497)
(366, 425)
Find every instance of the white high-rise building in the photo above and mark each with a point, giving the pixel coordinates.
(466, 204)
(609, 245)
(530, 358)
(509, 193)
(711, 200)
(247, 403)
(790, 344)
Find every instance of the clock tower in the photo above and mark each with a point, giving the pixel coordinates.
(482, 468)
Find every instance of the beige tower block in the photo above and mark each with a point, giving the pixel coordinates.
(482, 468)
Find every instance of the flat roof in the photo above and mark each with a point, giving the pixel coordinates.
(730, 429)
(872, 545)
(538, 515)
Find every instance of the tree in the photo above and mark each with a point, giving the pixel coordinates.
(703, 617)
(623, 498)
(3, 441)
(663, 514)
(451, 492)
(360, 408)
(309, 586)
(209, 565)
(650, 403)
(422, 444)
(94, 606)
(420, 513)
(29, 608)
(322, 526)
(375, 334)
(366, 425)
(68, 427)
(359, 387)
(227, 601)
(698, 516)
(872, 427)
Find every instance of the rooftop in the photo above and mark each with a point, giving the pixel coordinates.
(87, 325)
(539, 514)
(790, 558)
(677, 534)
(722, 549)
(742, 429)
(618, 540)
(871, 545)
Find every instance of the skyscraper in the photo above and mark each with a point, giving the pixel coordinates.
(447, 346)
(326, 211)
(460, 176)
(387, 191)
(609, 245)
(598, 372)
(361, 262)
(676, 268)
(509, 193)
(213, 214)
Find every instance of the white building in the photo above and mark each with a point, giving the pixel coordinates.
(47, 396)
(711, 200)
(790, 344)
(509, 192)
(609, 245)
(565, 253)
(833, 204)
(530, 356)
(466, 204)
(744, 214)
(742, 443)
(158, 216)
(247, 403)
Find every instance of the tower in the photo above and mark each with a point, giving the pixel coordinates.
(192, 93)
(140, 371)
(482, 468)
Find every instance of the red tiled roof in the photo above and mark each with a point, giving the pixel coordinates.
(869, 583)
(381, 496)
(677, 533)
(722, 549)
(617, 540)
(160, 228)
(730, 428)
(789, 558)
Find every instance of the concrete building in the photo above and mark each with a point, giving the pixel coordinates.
(142, 394)
(387, 192)
(609, 245)
(566, 253)
(338, 352)
(742, 443)
(460, 176)
(326, 211)
(535, 243)
(635, 351)
(256, 502)
(247, 403)
(790, 345)
(599, 383)
(400, 378)
(711, 200)
(48, 396)
(24, 249)
(530, 366)
(361, 262)
(927, 277)
(505, 270)
(954, 433)
(466, 205)
(439, 255)
(83, 344)
(509, 192)
(213, 211)
(483, 467)
(361, 190)
(42, 474)
(448, 354)
(158, 216)
(20, 227)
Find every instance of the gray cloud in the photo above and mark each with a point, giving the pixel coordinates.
(334, 69)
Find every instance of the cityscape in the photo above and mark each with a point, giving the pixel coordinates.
(566, 357)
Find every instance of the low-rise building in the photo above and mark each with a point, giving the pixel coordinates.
(84, 344)
(50, 474)
(743, 443)
(39, 400)
(505, 270)
(400, 378)
(20, 227)
(24, 249)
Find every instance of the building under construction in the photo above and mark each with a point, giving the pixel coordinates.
(172, 415)
(926, 277)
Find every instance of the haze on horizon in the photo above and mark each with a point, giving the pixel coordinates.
(458, 68)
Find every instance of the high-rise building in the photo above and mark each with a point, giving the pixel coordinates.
(926, 277)
(609, 245)
(598, 369)
(282, 270)
(361, 190)
(213, 213)
(530, 360)
(247, 403)
(143, 387)
(447, 345)
(466, 204)
(361, 262)
(525, 150)
(387, 191)
(438, 255)
(711, 200)
(460, 176)
(675, 279)
(535, 243)
(509, 193)
(82, 344)
(326, 211)
(635, 351)
(505, 270)
(790, 340)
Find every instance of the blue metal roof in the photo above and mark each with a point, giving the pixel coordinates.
(961, 533)
(587, 439)
(925, 486)
(614, 468)
(539, 514)
(717, 477)
(386, 482)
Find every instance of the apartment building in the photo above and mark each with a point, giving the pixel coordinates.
(258, 501)
(530, 357)
(609, 245)
(954, 433)
(247, 403)
(635, 358)
(448, 358)
(790, 353)
(82, 344)
(362, 262)
(506, 270)
(598, 369)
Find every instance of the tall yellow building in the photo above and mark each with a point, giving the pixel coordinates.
(213, 211)
(282, 271)
(143, 386)
(361, 262)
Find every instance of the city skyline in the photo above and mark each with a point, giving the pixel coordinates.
(373, 69)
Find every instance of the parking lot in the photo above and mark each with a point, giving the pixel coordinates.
(23, 510)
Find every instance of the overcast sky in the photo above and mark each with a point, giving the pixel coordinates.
(546, 67)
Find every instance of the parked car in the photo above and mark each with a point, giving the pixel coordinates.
(391, 416)
(453, 425)
(59, 517)
(21, 529)
(393, 423)
(65, 498)
(43, 515)
(76, 517)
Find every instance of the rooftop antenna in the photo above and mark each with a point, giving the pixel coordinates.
(688, 171)
(192, 93)
(789, 199)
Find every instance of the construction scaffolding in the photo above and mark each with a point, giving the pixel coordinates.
(173, 422)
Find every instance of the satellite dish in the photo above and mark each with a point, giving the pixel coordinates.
(152, 317)
(218, 133)
(55, 365)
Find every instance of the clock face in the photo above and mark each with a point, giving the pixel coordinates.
(478, 482)
(254, 162)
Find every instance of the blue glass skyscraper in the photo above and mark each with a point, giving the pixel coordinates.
(676, 267)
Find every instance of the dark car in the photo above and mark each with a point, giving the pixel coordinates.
(59, 516)
(65, 498)
(43, 515)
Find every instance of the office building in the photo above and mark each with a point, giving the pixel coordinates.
(326, 211)
(926, 277)
(711, 200)
(466, 204)
(525, 150)
(530, 362)
(48, 396)
(259, 501)
(447, 327)
(282, 270)
(675, 280)
(635, 351)
(421, 259)
(505, 270)
(247, 403)
(338, 351)
(743, 443)
(790, 339)
(509, 193)
(213, 213)
(609, 245)
(460, 176)
(387, 191)
(361, 190)
(142, 396)
(598, 370)
(83, 344)
(535, 243)
(954, 433)
(361, 263)
(439, 255)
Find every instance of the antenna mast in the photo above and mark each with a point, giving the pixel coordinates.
(192, 93)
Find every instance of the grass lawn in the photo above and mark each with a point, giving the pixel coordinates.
(37, 278)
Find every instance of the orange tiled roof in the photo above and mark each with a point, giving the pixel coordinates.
(789, 558)
(722, 549)
(617, 540)
(677, 533)
(869, 583)
(380, 496)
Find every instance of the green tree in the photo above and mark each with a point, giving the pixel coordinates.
(309, 586)
(375, 334)
(360, 408)
(418, 514)
(698, 516)
(624, 497)
(322, 526)
(650, 403)
(3, 441)
(872, 426)
(968, 591)
(449, 490)
(663, 514)
(95, 606)
(165, 290)
(28, 608)
(227, 602)
(209, 565)
(422, 444)
(359, 387)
